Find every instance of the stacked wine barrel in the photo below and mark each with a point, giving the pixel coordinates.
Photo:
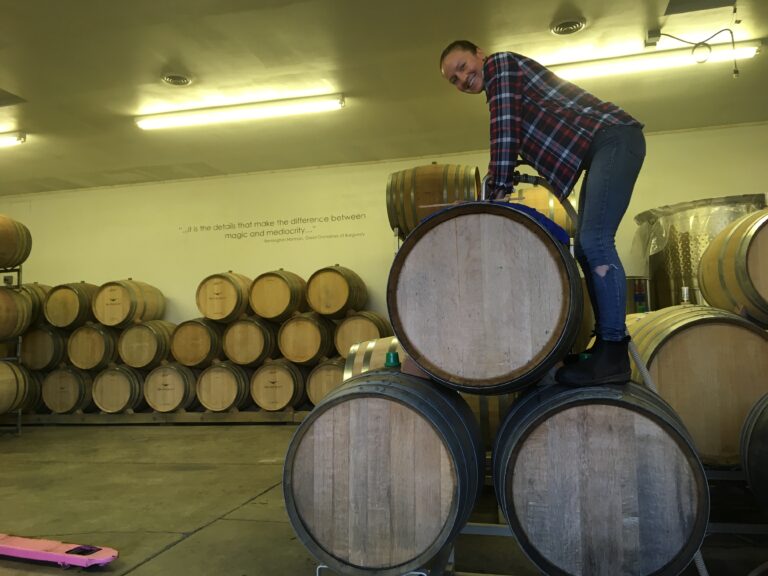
(485, 302)
(71, 345)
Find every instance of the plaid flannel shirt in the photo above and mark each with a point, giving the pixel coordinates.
(547, 120)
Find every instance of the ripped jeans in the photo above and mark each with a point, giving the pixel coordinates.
(612, 165)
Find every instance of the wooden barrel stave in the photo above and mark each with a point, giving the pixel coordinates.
(146, 345)
(119, 389)
(45, 347)
(67, 390)
(250, 341)
(484, 299)
(171, 388)
(277, 295)
(279, 384)
(223, 387)
(15, 242)
(223, 297)
(711, 386)
(335, 290)
(306, 338)
(754, 452)
(360, 326)
(15, 313)
(120, 303)
(92, 346)
(600, 477)
(196, 343)
(70, 305)
(412, 460)
(325, 378)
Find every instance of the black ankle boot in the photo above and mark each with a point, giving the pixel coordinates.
(608, 364)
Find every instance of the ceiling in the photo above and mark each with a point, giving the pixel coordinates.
(74, 73)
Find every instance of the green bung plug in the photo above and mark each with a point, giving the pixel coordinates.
(392, 360)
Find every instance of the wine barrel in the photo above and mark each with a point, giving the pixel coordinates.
(122, 302)
(119, 389)
(360, 327)
(223, 386)
(277, 295)
(67, 390)
(92, 346)
(223, 297)
(278, 384)
(20, 389)
(335, 290)
(542, 200)
(196, 343)
(15, 313)
(146, 345)
(600, 477)
(371, 355)
(69, 305)
(382, 474)
(415, 193)
(483, 298)
(325, 378)
(37, 294)
(15, 242)
(710, 366)
(45, 347)
(306, 338)
(754, 451)
(249, 341)
(171, 388)
(733, 272)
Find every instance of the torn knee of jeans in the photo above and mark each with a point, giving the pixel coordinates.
(603, 269)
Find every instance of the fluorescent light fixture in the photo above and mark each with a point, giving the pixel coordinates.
(241, 112)
(9, 139)
(658, 60)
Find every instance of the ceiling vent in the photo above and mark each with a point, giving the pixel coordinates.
(567, 27)
(177, 79)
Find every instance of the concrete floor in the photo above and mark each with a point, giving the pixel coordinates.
(202, 501)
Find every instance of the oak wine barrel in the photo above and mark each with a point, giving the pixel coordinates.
(278, 384)
(733, 271)
(15, 313)
(92, 346)
(277, 295)
(382, 474)
(171, 388)
(68, 389)
(597, 478)
(710, 365)
(196, 343)
(15, 242)
(306, 338)
(119, 389)
(542, 200)
(484, 298)
(147, 344)
(223, 297)
(20, 389)
(325, 378)
(70, 305)
(754, 452)
(45, 347)
(120, 303)
(371, 355)
(415, 193)
(222, 387)
(37, 294)
(358, 327)
(249, 341)
(335, 290)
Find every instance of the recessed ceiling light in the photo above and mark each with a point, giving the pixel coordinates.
(177, 79)
(569, 26)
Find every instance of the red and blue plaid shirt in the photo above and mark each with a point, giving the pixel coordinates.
(548, 121)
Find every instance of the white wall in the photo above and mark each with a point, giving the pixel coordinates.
(172, 235)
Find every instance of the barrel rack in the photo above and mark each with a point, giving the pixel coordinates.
(11, 278)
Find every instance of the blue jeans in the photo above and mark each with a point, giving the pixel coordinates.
(612, 165)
